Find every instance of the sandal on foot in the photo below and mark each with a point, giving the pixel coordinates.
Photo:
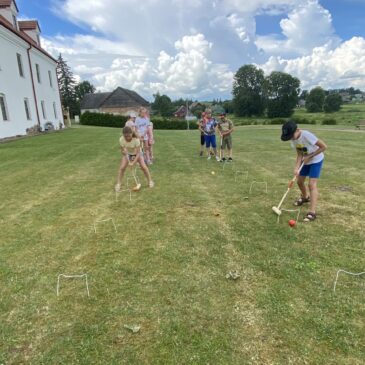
(117, 188)
(299, 202)
(310, 217)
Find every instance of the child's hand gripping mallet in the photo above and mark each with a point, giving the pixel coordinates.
(138, 185)
(277, 210)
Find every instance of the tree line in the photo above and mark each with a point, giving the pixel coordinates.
(254, 94)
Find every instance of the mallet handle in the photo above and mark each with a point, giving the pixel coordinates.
(290, 185)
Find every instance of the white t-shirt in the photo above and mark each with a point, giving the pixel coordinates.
(141, 125)
(306, 144)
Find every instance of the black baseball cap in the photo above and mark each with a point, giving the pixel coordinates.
(288, 130)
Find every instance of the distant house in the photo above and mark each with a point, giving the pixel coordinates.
(345, 96)
(358, 98)
(180, 112)
(29, 95)
(120, 101)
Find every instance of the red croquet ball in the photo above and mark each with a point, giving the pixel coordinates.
(292, 223)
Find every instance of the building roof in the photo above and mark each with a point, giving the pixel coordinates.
(24, 36)
(7, 4)
(93, 101)
(120, 97)
(28, 24)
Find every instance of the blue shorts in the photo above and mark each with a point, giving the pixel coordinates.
(313, 170)
(210, 140)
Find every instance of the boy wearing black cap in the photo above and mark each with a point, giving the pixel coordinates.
(309, 151)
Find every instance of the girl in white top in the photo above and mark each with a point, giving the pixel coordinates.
(142, 123)
(131, 155)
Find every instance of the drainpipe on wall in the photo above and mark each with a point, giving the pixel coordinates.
(34, 94)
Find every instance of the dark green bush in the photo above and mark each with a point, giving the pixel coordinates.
(118, 121)
(329, 121)
(103, 120)
(303, 121)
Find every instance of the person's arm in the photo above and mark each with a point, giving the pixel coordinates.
(322, 147)
(221, 133)
(137, 152)
(298, 163)
(231, 128)
(201, 127)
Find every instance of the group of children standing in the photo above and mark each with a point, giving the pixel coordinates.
(137, 141)
(136, 145)
(207, 126)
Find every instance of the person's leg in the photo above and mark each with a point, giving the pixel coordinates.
(145, 170)
(123, 166)
(229, 147)
(151, 150)
(313, 191)
(202, 143)
(214, 145)
(147, 151)
(207, 145)
(302, 187)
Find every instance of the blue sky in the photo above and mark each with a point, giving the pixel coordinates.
(194, 47)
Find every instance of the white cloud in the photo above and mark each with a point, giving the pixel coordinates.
(309, 25)
(193, 47)
(343, 66)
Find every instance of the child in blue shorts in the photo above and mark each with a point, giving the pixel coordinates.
(209, 126)
(309, 151)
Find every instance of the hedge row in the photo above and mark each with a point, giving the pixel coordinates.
(103, 120)
(118, 121)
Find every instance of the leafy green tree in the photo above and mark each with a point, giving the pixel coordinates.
(315, 100)
(332, 103)
(282, 91)
(228, 106)
(162, 105)
(67, 83)
(83, 88)
(248, 91)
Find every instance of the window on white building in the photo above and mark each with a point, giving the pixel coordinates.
(50, 78)
(43, 109)
(20, 64)
(39, 40)
(15, 23)
(38, 73)
(55, 110)
(27, 109)
(3, 108)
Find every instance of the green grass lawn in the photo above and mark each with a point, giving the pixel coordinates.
(165, 268)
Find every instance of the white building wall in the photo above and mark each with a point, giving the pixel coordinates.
(44, 91)
(15, 87)
(9, 13)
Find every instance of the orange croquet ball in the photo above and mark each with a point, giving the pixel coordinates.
(292, 223)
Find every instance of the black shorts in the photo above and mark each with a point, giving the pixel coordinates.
(202, 139)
